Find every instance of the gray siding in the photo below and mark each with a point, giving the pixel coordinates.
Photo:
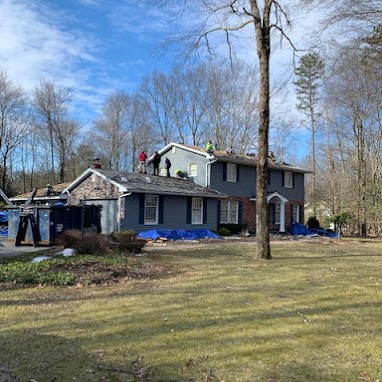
(109, 213)
(180, 161)
(174, 214)
(276, 185)
(245, 187)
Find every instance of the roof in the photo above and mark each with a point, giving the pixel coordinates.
(145, 183)
(222, 156)
(41, 193)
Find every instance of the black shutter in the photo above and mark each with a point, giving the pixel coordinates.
(301, 213)
(292, 179)
(189, 207)
(205, 210)
(269, 177)
(291, 214)
(283, 178)
(224, 172)
(219, 204)
(273, 207)
(240, 217)
(237, 173)
(161, 204)
(141, 218)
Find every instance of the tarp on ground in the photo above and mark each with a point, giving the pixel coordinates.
(182, 234)
(3, 216)
(4, 231)
(300, 229)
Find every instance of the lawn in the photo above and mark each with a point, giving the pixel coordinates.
(312, 313)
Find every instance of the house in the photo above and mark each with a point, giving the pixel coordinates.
(142, 202)
(43, 196)
(235, 175)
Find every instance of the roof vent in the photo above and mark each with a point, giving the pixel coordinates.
(123, 179)
(148, 180)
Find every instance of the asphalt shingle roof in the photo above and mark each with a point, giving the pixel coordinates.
(140, 183)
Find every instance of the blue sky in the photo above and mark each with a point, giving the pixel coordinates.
(98, 46)
(91, 46)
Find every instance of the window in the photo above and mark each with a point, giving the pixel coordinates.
(229, 212)
(151, 209)
(231, 172)
(192, 169)
(277, 213)
(173, 149)
(288, 179)
(295, 213)
(197, 211)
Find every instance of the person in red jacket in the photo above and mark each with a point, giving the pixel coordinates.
(142, 162)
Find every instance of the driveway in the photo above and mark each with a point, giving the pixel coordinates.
(8, 249)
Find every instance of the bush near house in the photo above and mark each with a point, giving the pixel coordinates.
(92, 243)
(234, 229)
(224, 232)
(313, 223)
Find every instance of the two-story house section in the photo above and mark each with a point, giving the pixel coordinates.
(235, 175)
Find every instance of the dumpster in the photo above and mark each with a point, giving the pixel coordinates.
(43, 225)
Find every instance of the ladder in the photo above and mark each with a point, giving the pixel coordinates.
(26, 218)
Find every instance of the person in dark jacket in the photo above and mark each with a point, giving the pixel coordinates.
(156, 162)
(168, 166)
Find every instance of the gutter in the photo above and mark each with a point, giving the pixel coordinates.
(119, 209)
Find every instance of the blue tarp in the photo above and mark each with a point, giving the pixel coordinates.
(3, 216)
(3, 231)
(300, 229)
(182, 234)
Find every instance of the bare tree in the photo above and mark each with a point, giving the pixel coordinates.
(51, 104)
(111, 130)
(229, 17)
(14, 121)
(156, 93)
(354, 94)
(189, 90)
(231, 106)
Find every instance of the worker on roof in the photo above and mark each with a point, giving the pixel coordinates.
(96, 163)
(210, 147)
(142, 162)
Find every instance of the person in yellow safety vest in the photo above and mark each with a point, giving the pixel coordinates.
(210, 147)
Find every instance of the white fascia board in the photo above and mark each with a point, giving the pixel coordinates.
(89, 172)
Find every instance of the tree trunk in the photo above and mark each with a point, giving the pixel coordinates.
(263, 51)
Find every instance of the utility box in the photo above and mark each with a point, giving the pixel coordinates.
(43, 225)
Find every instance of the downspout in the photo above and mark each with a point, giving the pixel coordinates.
(119, 209)
(209, 172)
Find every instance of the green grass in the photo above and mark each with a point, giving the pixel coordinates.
(313, 313)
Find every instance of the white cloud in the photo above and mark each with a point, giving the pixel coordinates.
(34, 45)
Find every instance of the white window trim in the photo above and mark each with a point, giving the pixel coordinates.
(232, 173)
(156, 211)
(277, 213)
(190, 174)
(230, 203)
(288, 179)
(296, 213)
(197, 212)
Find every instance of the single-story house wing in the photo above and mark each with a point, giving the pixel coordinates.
(142, 202)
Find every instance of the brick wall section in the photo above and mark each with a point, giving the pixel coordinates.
(93, 187)
(248, 212)
(288, 218)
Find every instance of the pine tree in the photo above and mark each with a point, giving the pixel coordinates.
(309, 74)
